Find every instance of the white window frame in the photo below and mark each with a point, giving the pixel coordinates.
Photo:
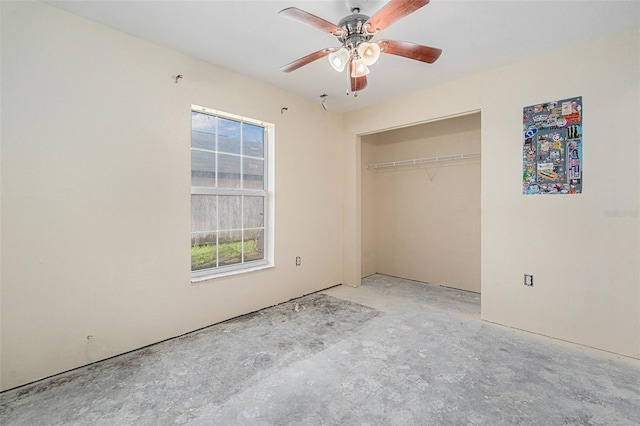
(267, 193)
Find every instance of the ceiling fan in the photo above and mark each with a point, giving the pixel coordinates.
(355, 32)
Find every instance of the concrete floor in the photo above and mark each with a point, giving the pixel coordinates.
(392, 352)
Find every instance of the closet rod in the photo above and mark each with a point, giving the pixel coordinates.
(425, 160)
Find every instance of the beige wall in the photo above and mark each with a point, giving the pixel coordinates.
(95, 193)
(423, 223)
(585, 260)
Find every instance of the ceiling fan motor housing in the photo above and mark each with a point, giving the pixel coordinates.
(354, 30)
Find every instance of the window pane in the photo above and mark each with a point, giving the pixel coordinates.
(253, 245)
(203, 168)
(230, 247)
(228, 178)
(230, 210)
(203, 251)
(203, 131)
(228, 136)
(203, 213)
(253, 212)
(228, 171)
(252, 140)
(253, 173)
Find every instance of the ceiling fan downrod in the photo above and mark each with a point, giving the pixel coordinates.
(355, 6)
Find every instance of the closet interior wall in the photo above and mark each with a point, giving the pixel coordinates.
(422, 221)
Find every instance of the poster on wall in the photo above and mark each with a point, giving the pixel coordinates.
(552, 147)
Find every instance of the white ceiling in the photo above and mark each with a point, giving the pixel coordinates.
(250, 38)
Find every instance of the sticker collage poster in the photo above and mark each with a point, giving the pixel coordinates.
(552, 149)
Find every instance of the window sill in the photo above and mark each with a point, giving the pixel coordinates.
(223, 274)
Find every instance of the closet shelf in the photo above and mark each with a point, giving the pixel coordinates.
(441, 159)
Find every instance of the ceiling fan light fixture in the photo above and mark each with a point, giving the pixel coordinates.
(339, 59)
(359, 68)
(369, 52)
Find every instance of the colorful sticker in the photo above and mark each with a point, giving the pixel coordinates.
(573, 118)
(552, 147)
(573, 132)
(530, 132)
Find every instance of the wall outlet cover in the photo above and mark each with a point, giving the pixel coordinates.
(528, 280)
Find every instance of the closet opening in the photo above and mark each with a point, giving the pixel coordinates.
(421, 202)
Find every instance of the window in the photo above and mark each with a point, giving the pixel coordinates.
(231, 222)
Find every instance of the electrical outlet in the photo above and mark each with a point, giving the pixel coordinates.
(528, 280)
(298, 261)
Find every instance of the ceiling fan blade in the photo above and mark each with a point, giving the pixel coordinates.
(357, 83)
(300, 15)
(410, 50)
(392, 11)
(307, 59)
